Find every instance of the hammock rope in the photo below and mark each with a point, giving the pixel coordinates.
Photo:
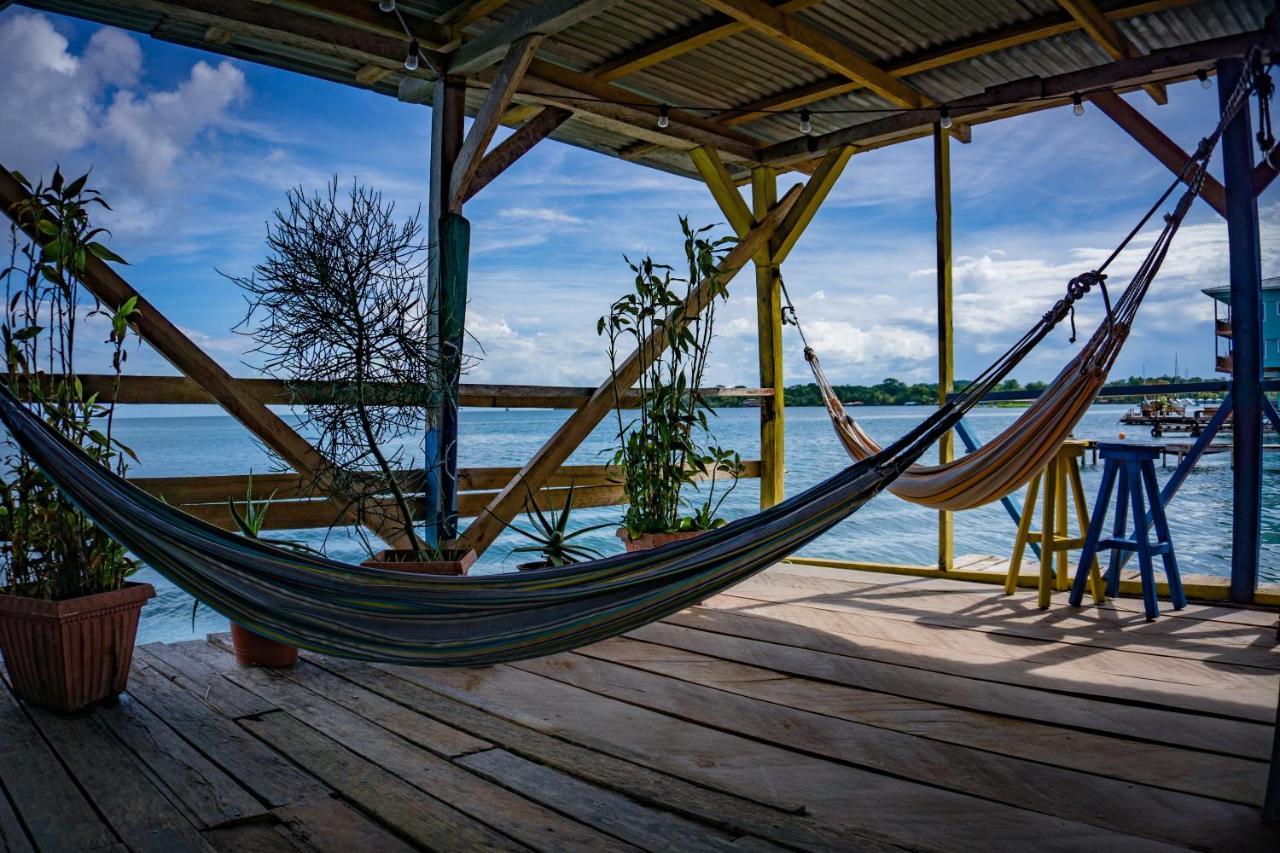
(1009, 461)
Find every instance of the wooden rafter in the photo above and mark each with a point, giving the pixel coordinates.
(507, 503)
(818, 47)
(515, 146)
(1107, 35)
(501, 91)
(367, 16)
(1155, 141)
(1021, 96)
(681, 41)
(467, 13)
(546, 18)
(987, 43)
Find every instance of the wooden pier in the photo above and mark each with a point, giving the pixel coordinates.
(809, 708)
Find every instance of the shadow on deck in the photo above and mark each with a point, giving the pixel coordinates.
(809, 708)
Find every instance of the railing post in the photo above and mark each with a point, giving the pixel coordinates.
(946, 345)
(1246, 339)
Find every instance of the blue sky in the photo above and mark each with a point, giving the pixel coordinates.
(195, 151)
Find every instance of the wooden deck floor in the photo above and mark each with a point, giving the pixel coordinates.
(809, 709)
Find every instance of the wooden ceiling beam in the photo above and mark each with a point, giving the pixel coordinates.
(818, 47)
(982, 45)
(681, 41)
(501, 91)
(1035, 93)
(1154, 140)
(467, 13)
(1107, 35)
(516, 146)
(546, 18)
(367, 16)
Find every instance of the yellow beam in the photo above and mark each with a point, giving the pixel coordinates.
(818, 47)
(811, 198)
(946, 346)
(764, 192)
(717, 179)
(1107, 35)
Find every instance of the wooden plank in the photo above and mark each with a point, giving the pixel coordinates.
(885, 808)
(669, 793)
(53, 809)
(1165, 65)
(186, 665)
(269, 775)
(799, 679)
(546, 18)
(577, 426)
(897, 671)
(501, 91)
(1095, 800)
(13, 838)
(468, 12)
(716, 177)
(258, 838)
(334, 827)
(1032, 663)
(1164, 149)
(115, 783)
(644, 827)
(211, 797)
(422, 819)
(515, 146)
(820, 48)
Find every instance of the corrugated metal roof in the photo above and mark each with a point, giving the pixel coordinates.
(738, 70)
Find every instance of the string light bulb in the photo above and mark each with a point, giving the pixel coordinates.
(1203, 77)
(944, 117)
(806, 126)
(387, 5)
(1077, 104)
(411, 59)
(664, 119)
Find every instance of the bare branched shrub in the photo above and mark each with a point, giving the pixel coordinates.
(340, 304)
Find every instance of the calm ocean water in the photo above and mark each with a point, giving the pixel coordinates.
(887, 529)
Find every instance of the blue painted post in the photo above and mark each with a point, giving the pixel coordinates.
(1246, 339)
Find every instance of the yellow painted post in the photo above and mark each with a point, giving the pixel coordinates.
(764, 194)
(1045, 588)
(946, 344)
(1024, 534)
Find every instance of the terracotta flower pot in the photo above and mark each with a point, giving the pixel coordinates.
(256, 650)
(649, 541)
(402, 560)
(68, 654)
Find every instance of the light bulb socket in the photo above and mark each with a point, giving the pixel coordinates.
(806, 126)
(664, 116)
(387, 5)
(1077, 104)
(1203, 77)
(944, 118)
(411, 58)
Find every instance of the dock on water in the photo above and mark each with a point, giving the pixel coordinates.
(808, 709)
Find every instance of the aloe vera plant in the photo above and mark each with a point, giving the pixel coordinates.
(551, 535)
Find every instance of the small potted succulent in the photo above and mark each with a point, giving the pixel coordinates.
(664, 444)
(68, 613)
(337, 307)
(552, 540)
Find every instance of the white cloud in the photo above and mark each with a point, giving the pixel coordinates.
(538, 214)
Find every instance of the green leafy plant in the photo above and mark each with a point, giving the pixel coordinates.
(49, 548)
(660, 444)
(551, 535)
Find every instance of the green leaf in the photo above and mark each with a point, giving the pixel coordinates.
(102, 252)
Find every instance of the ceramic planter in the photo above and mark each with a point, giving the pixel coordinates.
(401, 560)
(65, 655)
(649, 541)
(256, 650)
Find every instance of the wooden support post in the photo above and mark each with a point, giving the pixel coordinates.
(946, 344)
(446, 298)
(1153, 139)
(764, 192)
(1246, 339)
(577, 426)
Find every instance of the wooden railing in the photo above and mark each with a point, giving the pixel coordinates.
(296, 506)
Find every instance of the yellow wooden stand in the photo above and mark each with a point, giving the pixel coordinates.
(1062, 472)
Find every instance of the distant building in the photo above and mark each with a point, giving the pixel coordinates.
(1270, 326)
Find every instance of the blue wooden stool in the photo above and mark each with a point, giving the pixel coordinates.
(1132, 466)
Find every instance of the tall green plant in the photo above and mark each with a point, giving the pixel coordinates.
(660, 444)
(48, 549)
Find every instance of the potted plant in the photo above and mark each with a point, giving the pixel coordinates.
(68, 614)
(664, 444)
(551, 538)
(337, 313)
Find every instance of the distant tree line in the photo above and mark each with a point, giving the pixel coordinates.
(894, 392)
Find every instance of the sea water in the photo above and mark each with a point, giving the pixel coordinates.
(885, 530)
